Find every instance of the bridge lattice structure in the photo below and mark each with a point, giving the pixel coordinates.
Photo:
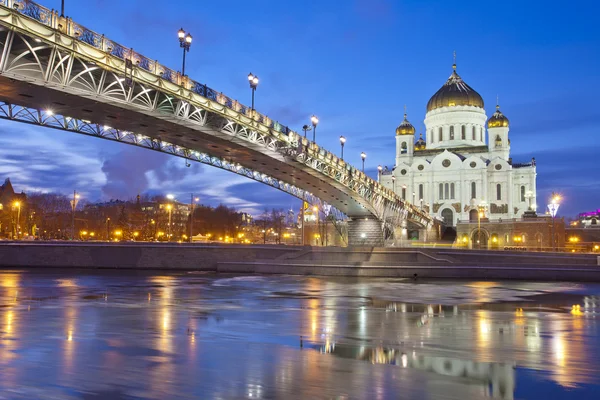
(51, 60)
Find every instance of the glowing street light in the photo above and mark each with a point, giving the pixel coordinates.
(193, 202)
(306, 128)
(315, 121)
(169, 209)
(553, 208)
(74, 202)
(17, 204)
(379, 169)
(342, 142)
(363, 155)
(394, 184)
(185, 41)
(253, 80)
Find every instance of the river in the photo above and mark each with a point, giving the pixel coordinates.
(67, 334)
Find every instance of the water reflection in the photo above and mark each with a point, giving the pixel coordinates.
(180, 336)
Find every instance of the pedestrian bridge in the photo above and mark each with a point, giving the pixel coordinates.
(59, 74)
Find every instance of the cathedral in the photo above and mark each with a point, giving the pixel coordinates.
(463, 166)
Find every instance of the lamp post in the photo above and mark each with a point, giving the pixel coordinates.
(108, 229)
(62, 8)
(18, 227)
(73, 206)
(394, 184)
(185, 41)
(306, 128)
(170, 210)
(553, 208)
(379, 169)
(193, 201)
(342, 142)
(316, 213)
(480, 214)
(315, 121)
(363, 155)
(253, 81)
(413, 202)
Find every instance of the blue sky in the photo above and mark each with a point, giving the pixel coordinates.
(355, 64)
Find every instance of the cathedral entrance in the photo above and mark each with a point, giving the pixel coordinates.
(479, 239)
(448, 217)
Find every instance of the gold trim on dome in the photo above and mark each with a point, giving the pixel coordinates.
(498, 120)
(405, 128)
(455, 92)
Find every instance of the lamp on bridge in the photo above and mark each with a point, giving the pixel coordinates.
(314, 120)
(342, 142)
(394, 184)
(363, 155)
(253, 80)
(185, 41)
(379, 169)
(306, 128)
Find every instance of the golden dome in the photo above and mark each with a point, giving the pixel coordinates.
(497, 120)
(420, 144)
(455, 92)
(405, 128)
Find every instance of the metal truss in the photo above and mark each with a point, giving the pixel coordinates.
(37, 117)
(39, 46)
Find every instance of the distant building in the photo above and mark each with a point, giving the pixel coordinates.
(589, 219)
(8, 196)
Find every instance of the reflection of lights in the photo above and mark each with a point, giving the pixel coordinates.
(9, 320)
(576, 310)
(558, 346)
(484, 326)
(404, 359)
(70, 336)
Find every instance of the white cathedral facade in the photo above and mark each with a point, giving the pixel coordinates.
(462, 168)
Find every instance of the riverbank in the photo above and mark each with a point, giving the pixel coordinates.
(297, 260)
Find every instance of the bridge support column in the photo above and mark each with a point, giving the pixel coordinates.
(430, 234)
(401, 235)
(365, 232)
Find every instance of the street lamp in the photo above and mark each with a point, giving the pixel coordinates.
(342, 142)
(414, 194)
(363, 155)
(185, 41)
(253, 81)
(480, 214)
(169, 209)
(379, 169)
(314, 120)
(18, 228)
(553, 208)
(306, 128)
(194, 200)
(394, 184)
(73, 206)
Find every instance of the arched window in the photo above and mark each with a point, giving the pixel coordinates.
(403, 148)
(451, 132)
(473, 132)
(421, 194)
(463, 132)
(432, 137)
(440, 137)
(403, 193)
(448, 217)
(452, 191)
(522, 194)
(446, 191)
(498, 141)
(480, 134)
(498, 192)
(473, 190)
(441, 192)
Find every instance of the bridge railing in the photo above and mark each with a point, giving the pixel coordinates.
(51, 18)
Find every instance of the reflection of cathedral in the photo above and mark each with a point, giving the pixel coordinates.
(459, 166)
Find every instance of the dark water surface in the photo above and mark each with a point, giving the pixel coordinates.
(108, 335)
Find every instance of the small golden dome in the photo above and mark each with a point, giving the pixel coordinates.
(497, 120)
(455, 92)
(420, 144)
(405, 128)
